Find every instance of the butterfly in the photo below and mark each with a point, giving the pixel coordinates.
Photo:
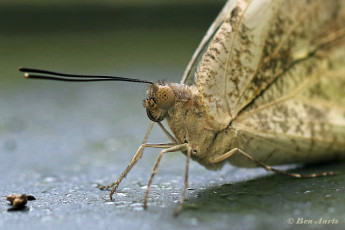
(264, 87)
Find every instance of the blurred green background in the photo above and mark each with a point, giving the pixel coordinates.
(101, 36)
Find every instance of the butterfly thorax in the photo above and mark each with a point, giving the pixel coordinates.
(185, 113)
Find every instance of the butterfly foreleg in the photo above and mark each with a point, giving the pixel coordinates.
(134, 160)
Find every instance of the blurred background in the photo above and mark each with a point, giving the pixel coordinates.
(103, 36)
(152, 40)
(59, 140)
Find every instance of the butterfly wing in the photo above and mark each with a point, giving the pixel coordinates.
(189, 74)
(256, 44)
(301, 117)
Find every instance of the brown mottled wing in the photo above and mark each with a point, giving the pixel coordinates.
(189, 74)
(256, 45)
(301, 116)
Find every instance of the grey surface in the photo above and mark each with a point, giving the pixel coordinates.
(59, 140)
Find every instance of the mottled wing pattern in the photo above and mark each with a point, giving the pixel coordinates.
(300, 116)
(257, 43)
(189, 74)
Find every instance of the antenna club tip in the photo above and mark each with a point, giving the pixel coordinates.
(26, 75)
(20, 69)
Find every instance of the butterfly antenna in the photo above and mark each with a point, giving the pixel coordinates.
(50, 75)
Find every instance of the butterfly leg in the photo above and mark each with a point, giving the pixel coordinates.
(267, 167)
(134, 160)
(183, 193)
(175, 148)
(171, 137)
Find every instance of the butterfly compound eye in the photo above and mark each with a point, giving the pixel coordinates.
(165, 97)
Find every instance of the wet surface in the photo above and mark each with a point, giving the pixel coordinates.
(59, 140)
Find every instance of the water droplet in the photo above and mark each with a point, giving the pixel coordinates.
(138, 209)
(121, 194)
(49, 179)
(137, 206)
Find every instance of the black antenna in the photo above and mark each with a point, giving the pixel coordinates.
(44, 74)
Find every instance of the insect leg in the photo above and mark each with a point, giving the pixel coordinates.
(171, 137)
(134, 160)
(181, 200)
(267, 167)
(177, 147)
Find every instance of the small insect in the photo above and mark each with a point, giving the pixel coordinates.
(265, 87)
(19, 201)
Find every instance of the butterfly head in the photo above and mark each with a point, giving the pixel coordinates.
(160, 98)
